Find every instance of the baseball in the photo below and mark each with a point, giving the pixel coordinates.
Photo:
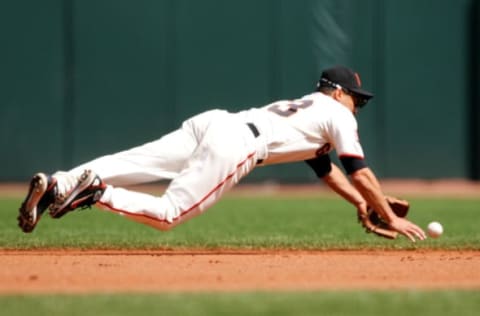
(434, 229)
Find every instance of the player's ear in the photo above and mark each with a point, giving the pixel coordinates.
(337, 94)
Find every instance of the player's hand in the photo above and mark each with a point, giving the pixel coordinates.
(408, 229)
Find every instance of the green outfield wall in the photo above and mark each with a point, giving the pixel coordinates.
(83, 78)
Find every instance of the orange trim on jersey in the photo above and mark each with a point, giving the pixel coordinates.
(188, 210)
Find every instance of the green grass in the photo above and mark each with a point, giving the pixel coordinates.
(309, 303)
(248, 223)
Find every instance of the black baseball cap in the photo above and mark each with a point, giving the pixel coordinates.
(341, 77)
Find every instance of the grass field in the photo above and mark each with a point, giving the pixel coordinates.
(294, 223)
(362, 303)
(248, 223)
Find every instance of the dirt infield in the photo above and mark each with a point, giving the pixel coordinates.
(166, 271)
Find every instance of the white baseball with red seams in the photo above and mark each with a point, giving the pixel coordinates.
(435, 229)
(212, 151)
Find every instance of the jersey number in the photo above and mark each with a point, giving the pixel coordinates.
(290, 108)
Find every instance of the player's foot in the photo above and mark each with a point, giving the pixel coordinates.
(85, 191)
(41, 194)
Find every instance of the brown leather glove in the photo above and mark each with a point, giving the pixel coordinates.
(374, 223)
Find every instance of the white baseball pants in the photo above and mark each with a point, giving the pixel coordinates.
(208, 155)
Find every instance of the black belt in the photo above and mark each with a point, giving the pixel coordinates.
(254, 129)
(256, 133)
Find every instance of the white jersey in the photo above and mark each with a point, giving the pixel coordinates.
(306, 128)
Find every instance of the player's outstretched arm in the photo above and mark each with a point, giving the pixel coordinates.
(339, 183)
(368, 186)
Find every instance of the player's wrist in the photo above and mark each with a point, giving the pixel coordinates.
(361, 206)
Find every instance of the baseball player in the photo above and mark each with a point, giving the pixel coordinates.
(213, 151)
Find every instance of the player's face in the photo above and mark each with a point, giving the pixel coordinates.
(346, 99)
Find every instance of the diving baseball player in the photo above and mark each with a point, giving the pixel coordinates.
(213, 151)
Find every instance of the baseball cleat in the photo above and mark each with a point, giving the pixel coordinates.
(85, 192)
(41, 194)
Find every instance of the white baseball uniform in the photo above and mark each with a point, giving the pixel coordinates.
(212, 151)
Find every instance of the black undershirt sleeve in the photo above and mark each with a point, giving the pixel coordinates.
(321, 165)
(352, 164)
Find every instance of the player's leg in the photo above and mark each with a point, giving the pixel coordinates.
(153, 161)
(226, 154)
(156, 160)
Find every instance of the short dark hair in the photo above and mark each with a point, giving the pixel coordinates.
(326, 89)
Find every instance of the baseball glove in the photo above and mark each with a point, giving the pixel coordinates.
(374, 223)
